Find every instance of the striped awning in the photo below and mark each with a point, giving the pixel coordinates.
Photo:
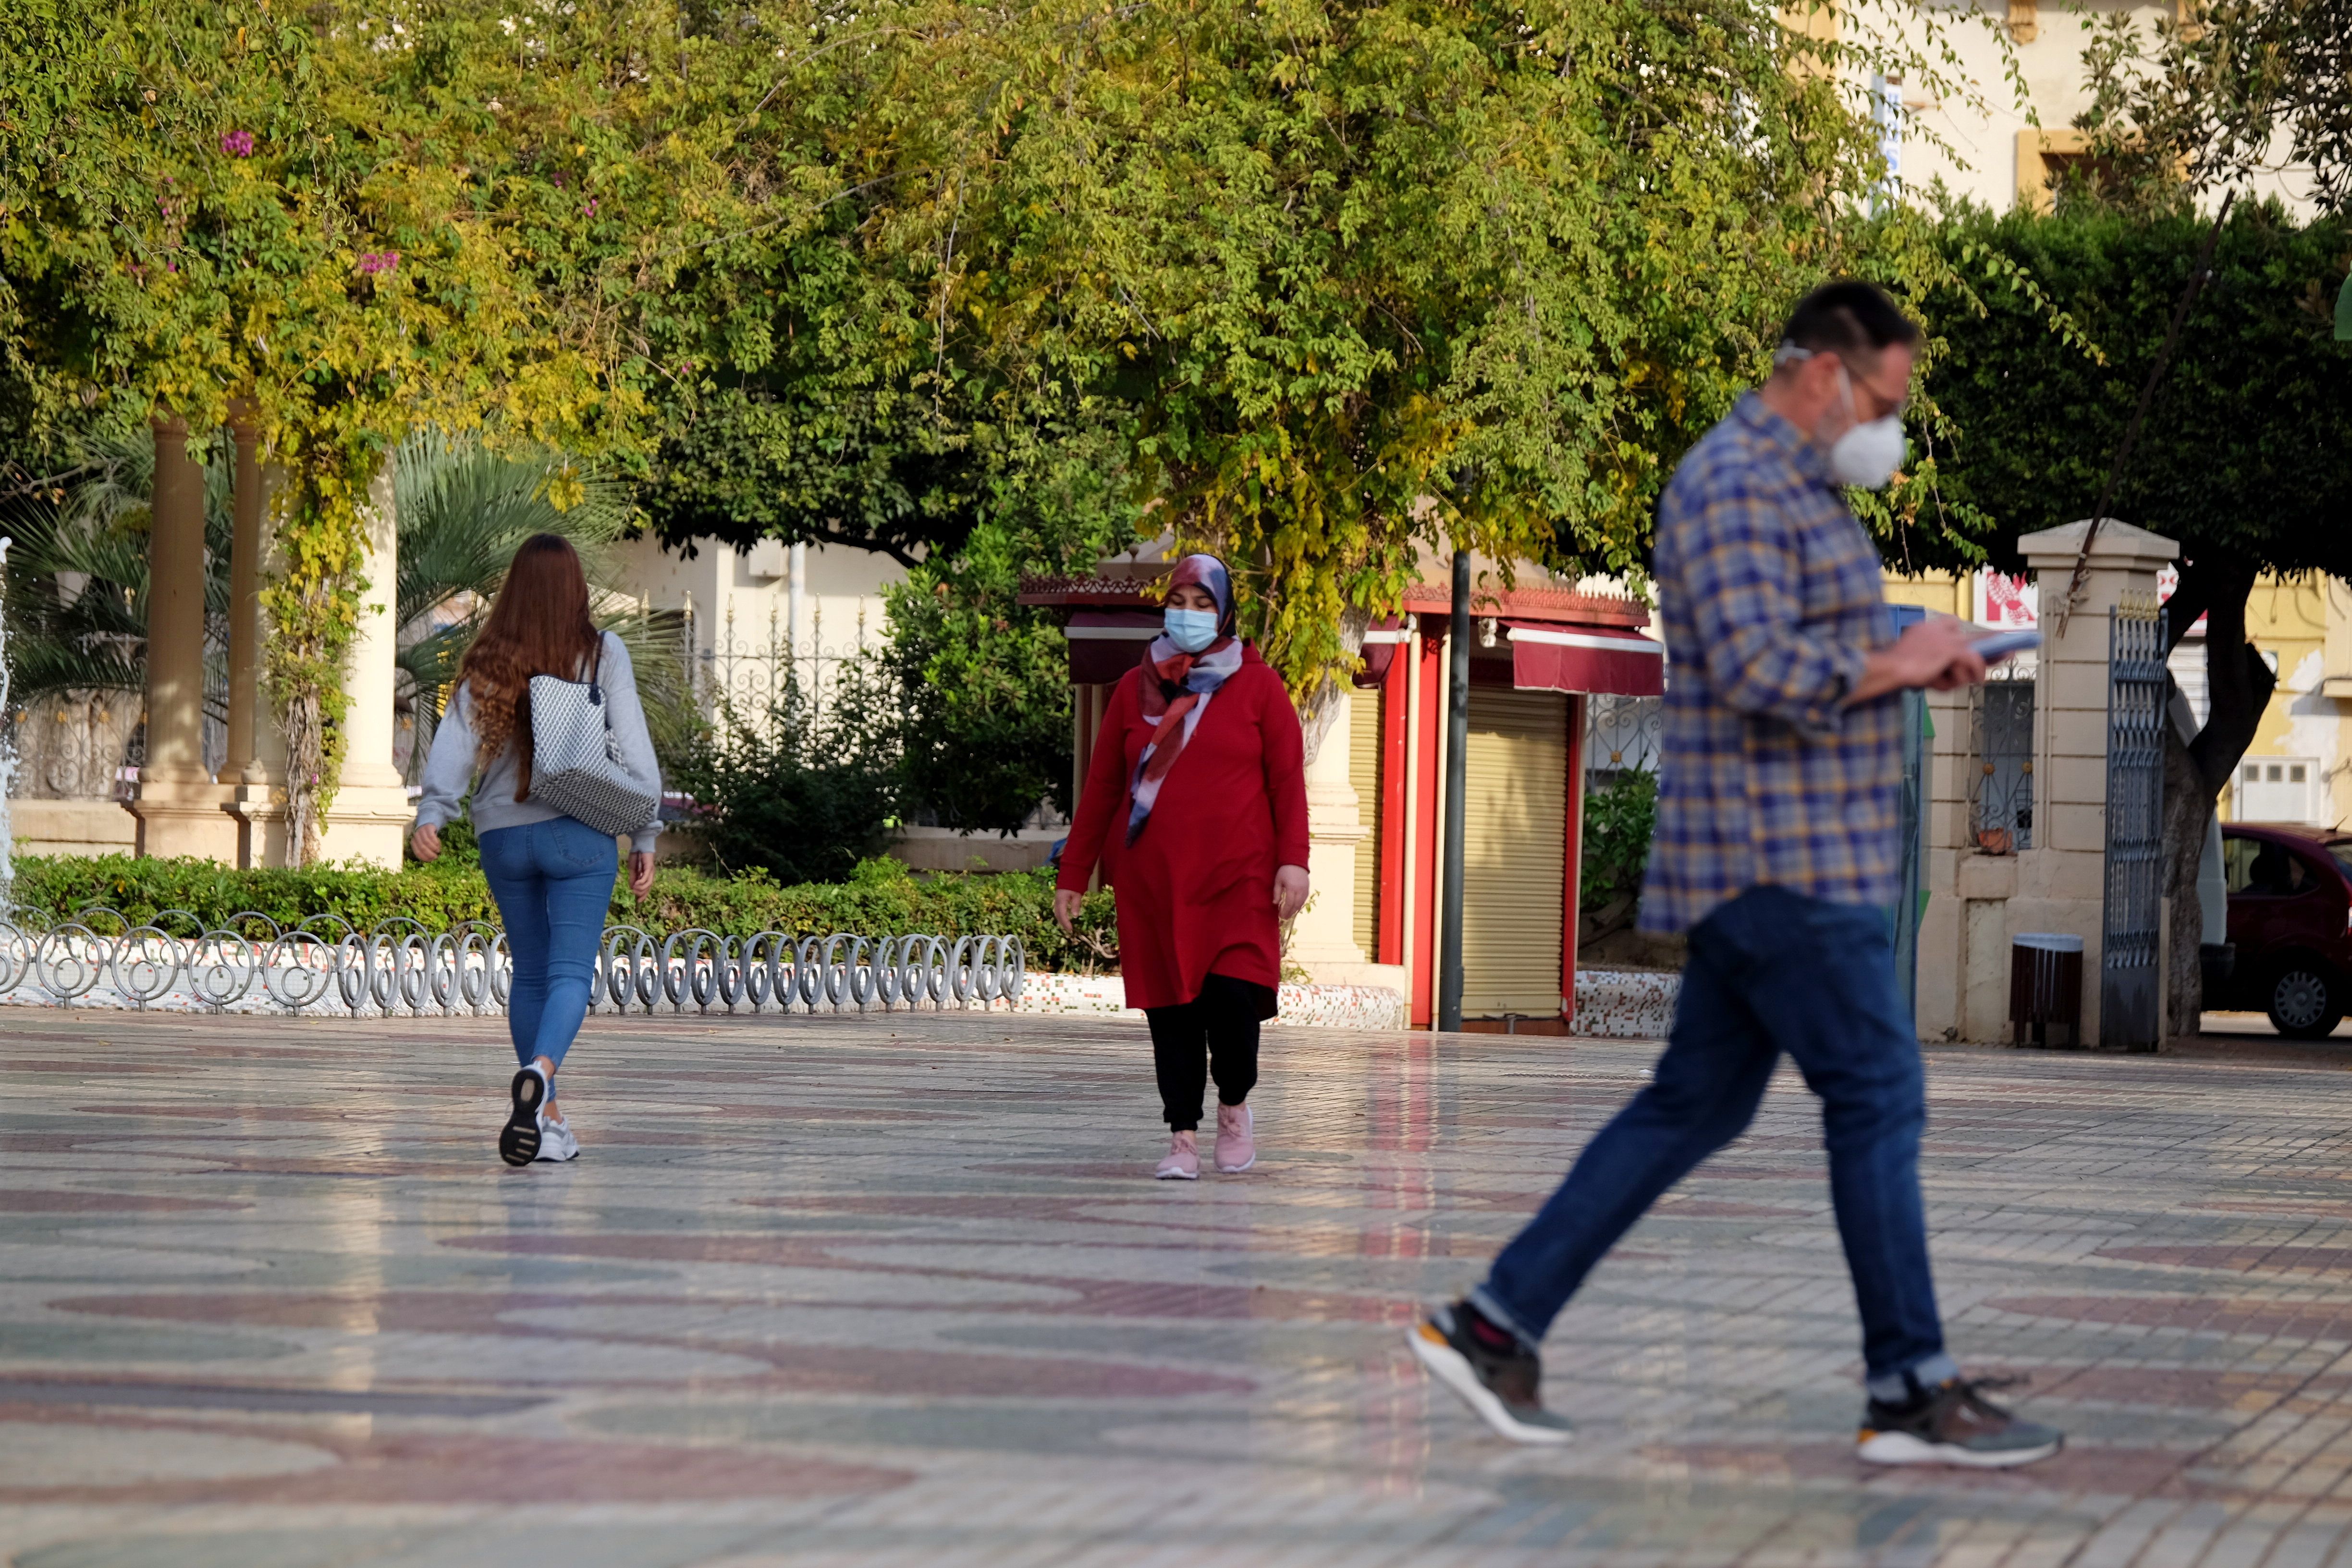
(1553, 657)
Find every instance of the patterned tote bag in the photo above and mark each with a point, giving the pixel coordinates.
(575, 762)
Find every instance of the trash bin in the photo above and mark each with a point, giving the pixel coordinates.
(2045, 989)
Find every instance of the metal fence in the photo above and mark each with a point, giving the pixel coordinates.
(745, 679)
(2130, 990)
(1622, 735)
(327, 966)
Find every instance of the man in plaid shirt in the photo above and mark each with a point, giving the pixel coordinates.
(1776, 850)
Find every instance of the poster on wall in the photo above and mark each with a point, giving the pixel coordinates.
(2013, 603)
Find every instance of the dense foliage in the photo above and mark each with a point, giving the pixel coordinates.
(879, 899)
(2247, 455)
(984, 724)
(2246, 460)
(1336, 285)
(1384, 277)
(1618, 822)
(349, 223)
(806, 791)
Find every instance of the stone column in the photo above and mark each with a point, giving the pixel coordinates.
(177, 803)
(371, 814)
(1322, 941)
(244, 605)
(2061, 882)
(256, 768)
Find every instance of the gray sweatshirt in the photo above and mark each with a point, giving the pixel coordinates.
(449, 767)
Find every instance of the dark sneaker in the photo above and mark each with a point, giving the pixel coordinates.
(1953, 1423)
(1499, 1384)
(519, 1139)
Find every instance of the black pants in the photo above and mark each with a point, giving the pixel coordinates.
(1216, 1031)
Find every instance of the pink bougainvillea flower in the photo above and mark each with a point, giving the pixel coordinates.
(237, 143)
(374, 261)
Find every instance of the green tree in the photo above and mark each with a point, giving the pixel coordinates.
(985, 727)
(2247, 455)
(2194, 114)
(1381, 277)
(357, 222)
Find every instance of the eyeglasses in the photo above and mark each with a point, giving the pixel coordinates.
(1790, 353)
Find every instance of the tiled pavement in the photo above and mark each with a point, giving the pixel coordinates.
(895, 1292)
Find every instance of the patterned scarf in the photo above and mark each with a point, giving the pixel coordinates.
(1177, 686)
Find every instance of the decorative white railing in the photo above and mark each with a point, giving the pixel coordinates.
(402, 966)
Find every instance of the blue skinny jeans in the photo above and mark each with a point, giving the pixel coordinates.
(1770, 971)
(553, 882)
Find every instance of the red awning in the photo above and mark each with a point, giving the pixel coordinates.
(1553, 657)
(1381, 643)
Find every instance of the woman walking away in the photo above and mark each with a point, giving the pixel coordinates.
(1195, 804)
(550, 873)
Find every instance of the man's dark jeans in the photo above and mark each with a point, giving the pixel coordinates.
(1772, 971)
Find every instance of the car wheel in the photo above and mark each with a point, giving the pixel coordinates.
(2305, 1001)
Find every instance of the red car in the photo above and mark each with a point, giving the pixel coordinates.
(2291, 921)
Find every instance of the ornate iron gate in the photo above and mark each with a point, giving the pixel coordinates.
(2130, 986)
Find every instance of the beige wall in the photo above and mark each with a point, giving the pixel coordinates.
(2306, 626)
(1996, 153)
(72, 827)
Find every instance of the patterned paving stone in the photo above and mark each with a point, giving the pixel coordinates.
(895, 1290)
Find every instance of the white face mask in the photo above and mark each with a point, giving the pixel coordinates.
(1189, 630)
(1866, 455)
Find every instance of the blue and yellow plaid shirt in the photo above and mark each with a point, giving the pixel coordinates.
(1771, 592)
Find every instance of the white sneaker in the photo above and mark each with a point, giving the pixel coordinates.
(556, 1141)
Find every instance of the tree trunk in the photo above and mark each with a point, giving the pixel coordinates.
(2187, 806)
(2239, 685)
(1322, 705)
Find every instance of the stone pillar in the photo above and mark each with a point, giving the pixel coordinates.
(245, 703)
(1322, 939)
(2061, 882)
(256, 768)
(177, 803)
(371, 814)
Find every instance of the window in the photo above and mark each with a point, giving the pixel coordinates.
(2238, 862)
(2001, 787)
(2259, 866)
(2276, 790)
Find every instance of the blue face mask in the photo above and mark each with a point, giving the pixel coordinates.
(1189, 630)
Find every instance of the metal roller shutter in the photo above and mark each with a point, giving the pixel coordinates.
(1513, 853)
(1364, 778)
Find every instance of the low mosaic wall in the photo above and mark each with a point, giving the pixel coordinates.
(1624, 1004)
(1325, 1007)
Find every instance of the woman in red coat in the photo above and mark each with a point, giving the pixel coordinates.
(1195, 803)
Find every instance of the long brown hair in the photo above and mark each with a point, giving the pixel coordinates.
(538, 624)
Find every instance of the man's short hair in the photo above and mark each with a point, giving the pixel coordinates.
(1848, 318)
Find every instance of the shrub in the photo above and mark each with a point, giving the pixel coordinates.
(1618, 822)
(880, 897)
(806, 791)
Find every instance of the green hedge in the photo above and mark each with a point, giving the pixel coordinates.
(881, 898)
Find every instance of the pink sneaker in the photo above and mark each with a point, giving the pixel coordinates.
(1236, 1138)
(1183, 1162)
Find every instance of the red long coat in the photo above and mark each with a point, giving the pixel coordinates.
(1195, 890)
